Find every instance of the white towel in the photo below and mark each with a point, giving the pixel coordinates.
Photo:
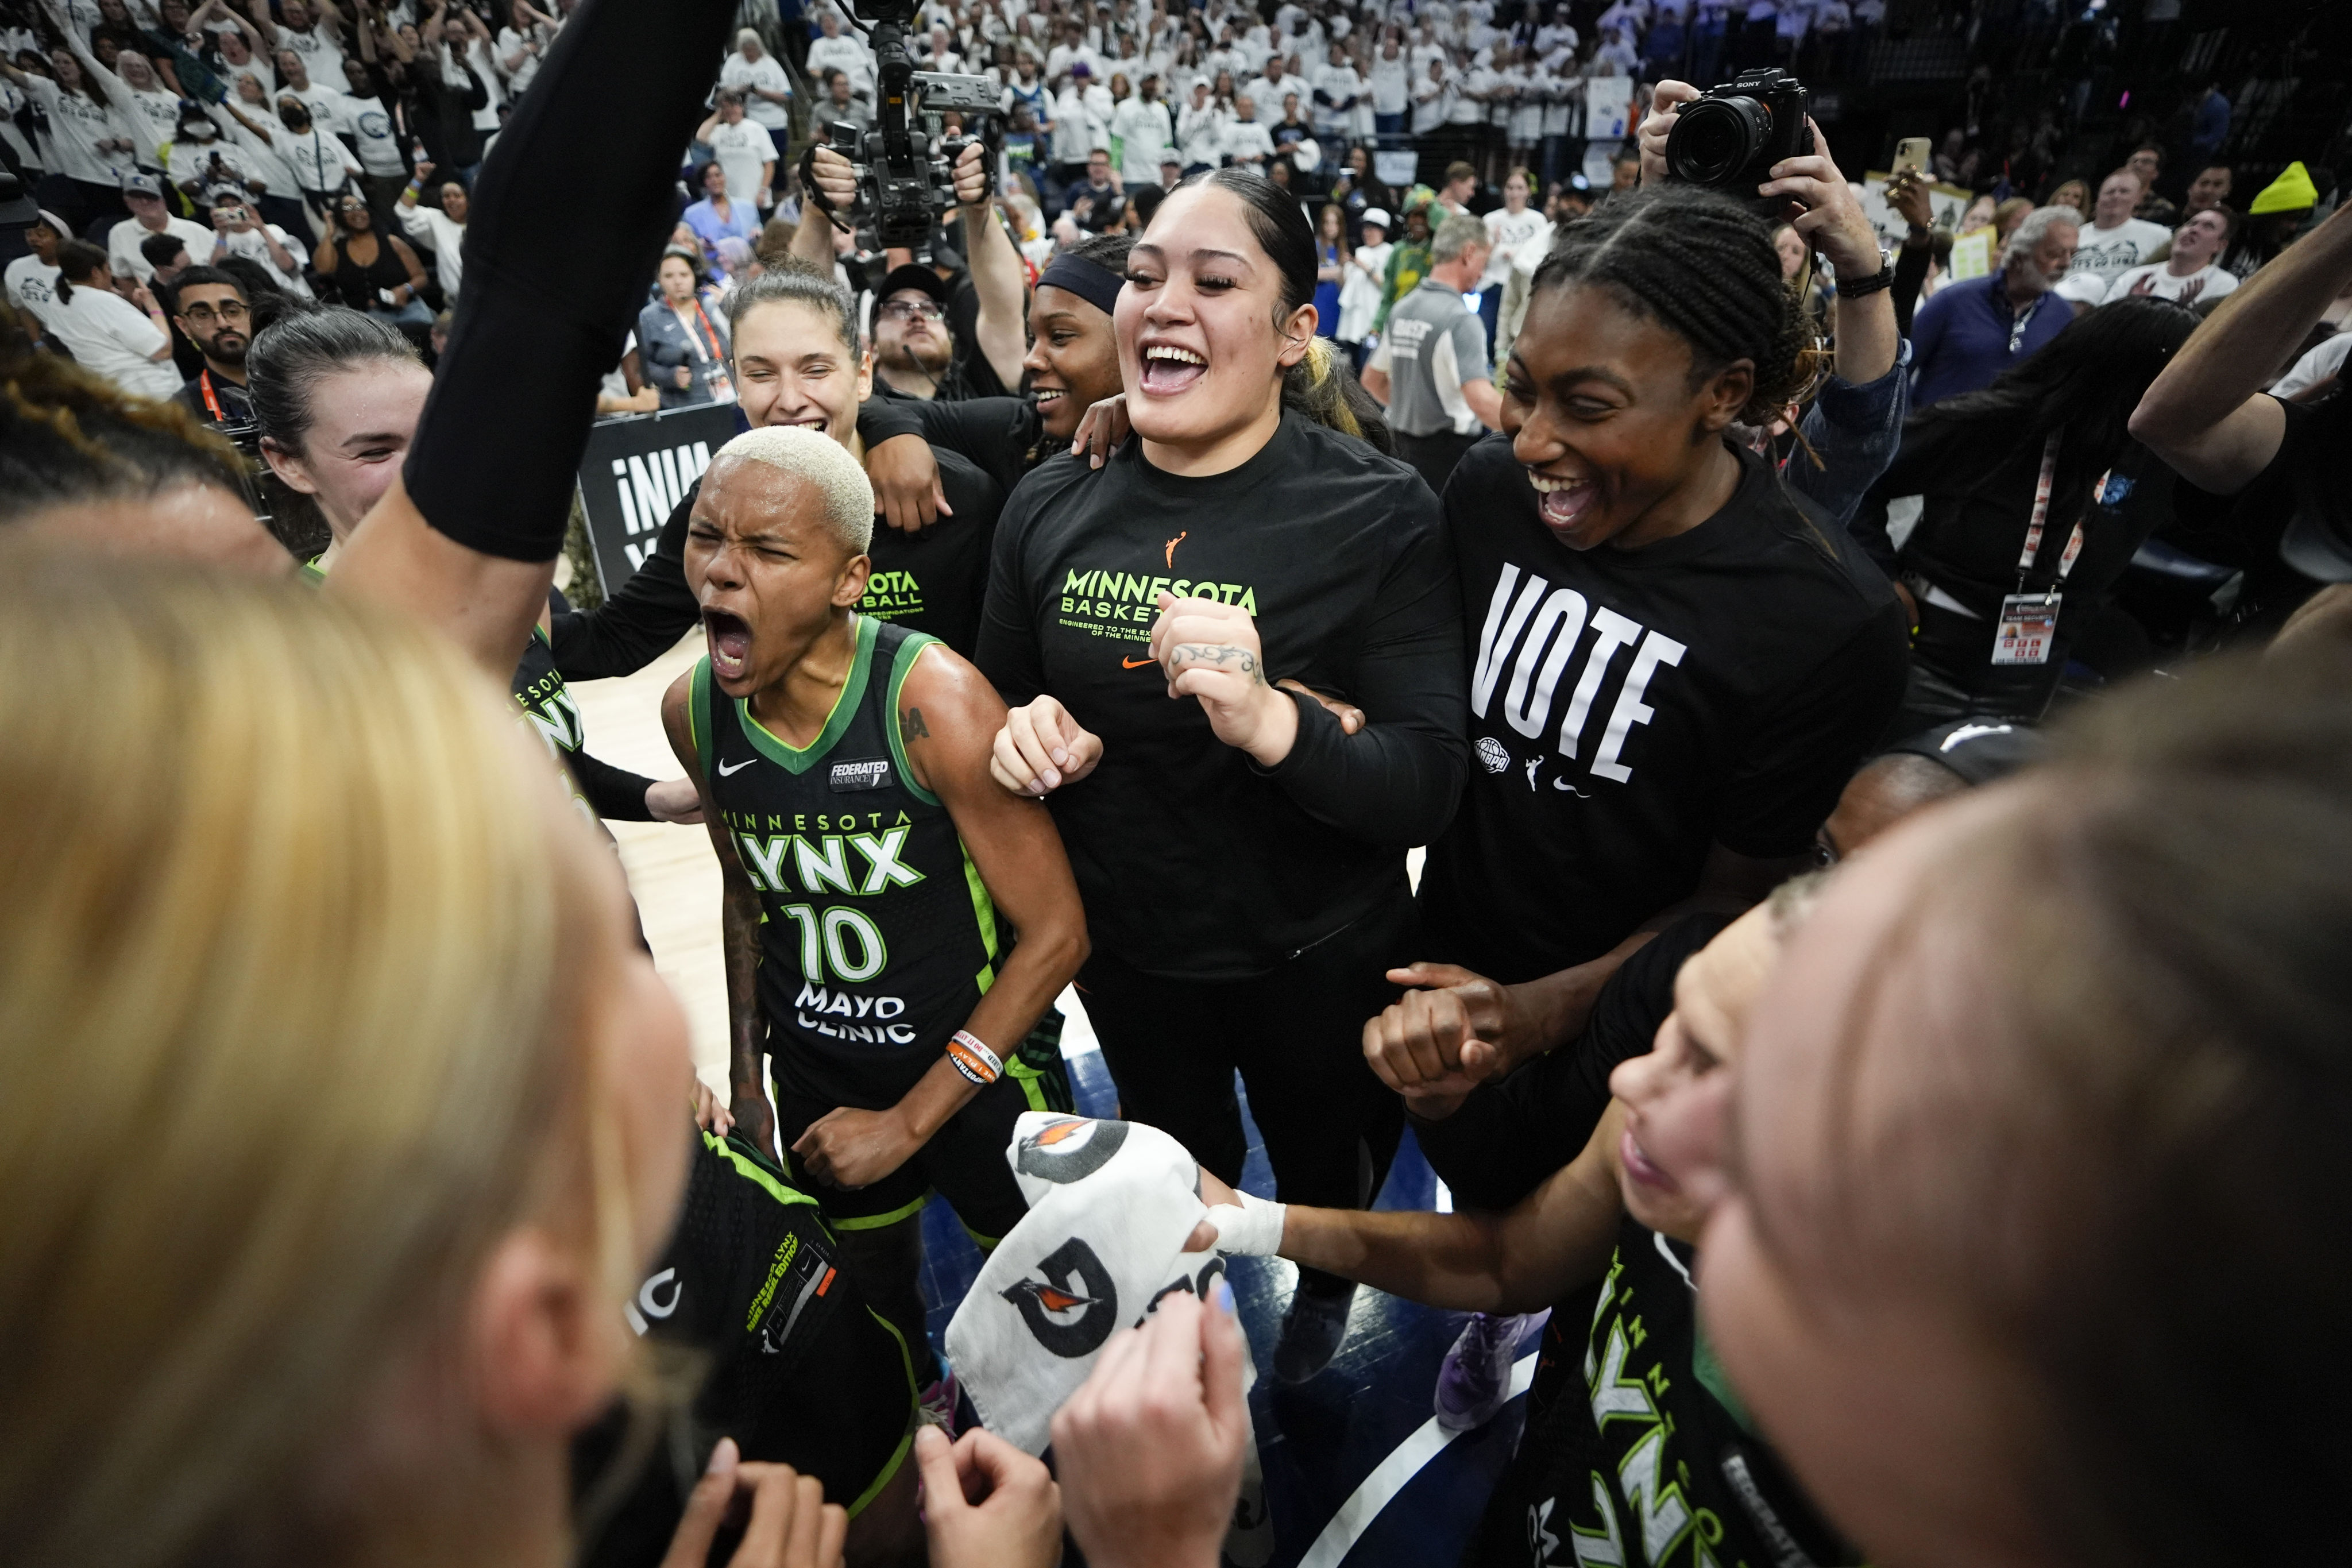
(1110, 1206)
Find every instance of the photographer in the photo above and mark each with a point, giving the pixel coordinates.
(982, 361)
(238, 231)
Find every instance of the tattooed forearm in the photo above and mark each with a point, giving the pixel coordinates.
(1222, 655)
(911, 724)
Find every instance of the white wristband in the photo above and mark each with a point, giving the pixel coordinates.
(1251, 1230)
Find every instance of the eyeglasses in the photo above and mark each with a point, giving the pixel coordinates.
(204, 316)
(908, 310)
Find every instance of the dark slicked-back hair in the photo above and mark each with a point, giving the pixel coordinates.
(1702, 266)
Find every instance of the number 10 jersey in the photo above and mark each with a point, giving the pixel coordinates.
(876, 936)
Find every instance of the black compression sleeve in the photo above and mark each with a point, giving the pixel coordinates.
(643, 621)
(1910, 276)
(1397, 780)
(573, 206)
(612, 792)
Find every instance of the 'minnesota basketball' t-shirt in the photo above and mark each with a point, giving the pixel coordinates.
(1194, 861)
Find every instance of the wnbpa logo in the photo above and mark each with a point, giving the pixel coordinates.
(650, 487)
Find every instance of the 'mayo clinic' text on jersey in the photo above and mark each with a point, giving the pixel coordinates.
(876, 936)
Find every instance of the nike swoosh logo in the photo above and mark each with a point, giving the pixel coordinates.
(724, 770)
(1136, 663)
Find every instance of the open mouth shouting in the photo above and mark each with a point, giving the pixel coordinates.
(729, 637)
(1564, 502)
(1170, 368)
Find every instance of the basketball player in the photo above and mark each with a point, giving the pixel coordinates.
(875, 873)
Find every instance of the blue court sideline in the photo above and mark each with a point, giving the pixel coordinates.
(1324, 1444)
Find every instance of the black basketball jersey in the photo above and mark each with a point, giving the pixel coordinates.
(548, 710)
(1636, 1450)
(792, 1364)
(878, 937)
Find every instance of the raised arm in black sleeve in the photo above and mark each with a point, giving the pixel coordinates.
(1508, 1136)
(643, 621)
(612, 793)
(611, 112)
(1397, 780)
(1910, 277)
(997, 434)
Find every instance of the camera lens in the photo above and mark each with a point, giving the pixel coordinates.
(1715, 138)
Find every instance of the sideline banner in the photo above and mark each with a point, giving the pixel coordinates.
(635, 471)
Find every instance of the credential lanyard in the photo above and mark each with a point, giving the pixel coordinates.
(715, 379)
(2042, 516)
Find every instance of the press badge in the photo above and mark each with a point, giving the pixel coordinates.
(2028, 622)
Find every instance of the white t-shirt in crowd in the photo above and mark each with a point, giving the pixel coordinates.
(2209, 281)
(2107, 254)
(322, 56)
(155, 118)
(445, 238)
(32, 286)
(251, 246)
(1508, 233)
(322, 163)
(2315, 367)
(1201, 133)
(122, 242)
(1247, 139)
(767, 72)
(77, 126)
(842, 54)
(740, 149)
(1145, 132)
(370, 125)
(511, 43)
(112, 337)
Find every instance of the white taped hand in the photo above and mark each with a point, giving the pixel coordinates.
(1251, 1230)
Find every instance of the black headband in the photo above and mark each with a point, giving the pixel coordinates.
(1090, 280)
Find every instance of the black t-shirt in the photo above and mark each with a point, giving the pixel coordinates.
(1195, 862)
(932, 582)
(1508, 1136)
(1630, 707)
(1977, 482)
(795, 1366)
(1003, 435)
(970, 375)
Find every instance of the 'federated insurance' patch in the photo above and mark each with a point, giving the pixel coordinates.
(873, 773)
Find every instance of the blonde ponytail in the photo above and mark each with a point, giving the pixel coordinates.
(1325, 389)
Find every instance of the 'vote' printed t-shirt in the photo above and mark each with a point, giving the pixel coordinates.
(1630, 707)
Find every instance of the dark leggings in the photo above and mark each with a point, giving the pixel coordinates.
(1296, 1037)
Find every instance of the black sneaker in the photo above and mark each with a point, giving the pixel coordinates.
(1312, 1329)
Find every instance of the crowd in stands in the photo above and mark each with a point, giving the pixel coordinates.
(1866, 656)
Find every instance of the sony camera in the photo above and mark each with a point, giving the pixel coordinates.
(906, 180)
(1733, 135)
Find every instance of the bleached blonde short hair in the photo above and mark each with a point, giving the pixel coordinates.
(823, 462)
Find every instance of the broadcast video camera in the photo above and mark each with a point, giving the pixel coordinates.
(1731, 136)
(906, 180)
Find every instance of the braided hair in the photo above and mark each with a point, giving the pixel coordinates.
(1703, 267)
